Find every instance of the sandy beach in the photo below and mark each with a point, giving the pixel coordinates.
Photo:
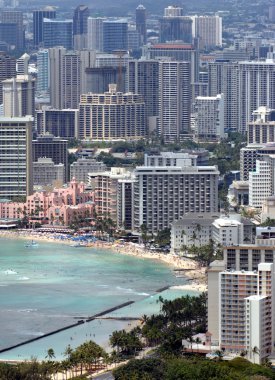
(188, 268)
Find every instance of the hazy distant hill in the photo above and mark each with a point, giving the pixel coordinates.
(123, 7)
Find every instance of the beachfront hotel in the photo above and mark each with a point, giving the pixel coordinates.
(246, 311)
(16, 157)
(241, 305)
(58, 207)
(169, 186)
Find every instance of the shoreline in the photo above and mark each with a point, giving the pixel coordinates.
(196, 275)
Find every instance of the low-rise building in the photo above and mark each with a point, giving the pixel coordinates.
(226, 231)
(268, 208)
(59, 207)
(80, 168)
(192, 229)
(45, 172)
(197, 229)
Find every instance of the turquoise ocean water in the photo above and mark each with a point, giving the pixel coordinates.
(50, 286)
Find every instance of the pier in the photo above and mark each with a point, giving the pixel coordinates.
(81, 320)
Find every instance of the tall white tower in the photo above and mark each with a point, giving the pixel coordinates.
(174, 99)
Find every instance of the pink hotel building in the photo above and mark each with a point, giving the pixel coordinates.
(60, 206)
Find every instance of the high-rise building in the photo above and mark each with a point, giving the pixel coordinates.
(174, 99)
(22, 65)
(52, 147)
(7, 70)
(38, 16)
(209, 118)
(176, 52)
(246, 86)
(116, 60)
(57, 33)
(68, 76)
(59, 123)
(15, 157)
(113, 195)
(261, 129)
(12, 17)
(55, 71)
(262, 180)
(208, 31)
(215, 77)
(99, 78)
(115, 35)
(8, 36)
(18, 96)
(173, 11)
(174, 26)
(141, 24)
(143, 79)
(80, 27)
(165, 192)
(95, 33)
(246, 311)
(271, 13)
(112, 115)
(42, 81)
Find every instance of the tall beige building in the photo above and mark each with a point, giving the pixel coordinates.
(208, 31)
(18, 96)
(16, 176)
(112, 115)
(68, 76)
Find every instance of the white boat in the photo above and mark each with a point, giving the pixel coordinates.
(31, 244)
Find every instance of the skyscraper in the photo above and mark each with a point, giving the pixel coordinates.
(38, 16)
(174, 99)
(15, 157)
(80, 27)
(68, 76)
(95, 33)
(143, 79)
(174, 26)
(115, 35)
(209, 118)
(176, 52)
(141, 24)
(246, 85)
(57, 33)
(99, 78)
(7, 70)
(42, 82)
(208, 31)
(22, 64)
(18, 96)
(15, 18)
(55, 70)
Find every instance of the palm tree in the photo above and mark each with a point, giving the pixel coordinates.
(255, 350)
(197, 341)
(219, 354)
(144, 319)
(50, 354)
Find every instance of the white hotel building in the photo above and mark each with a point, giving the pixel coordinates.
(166, 192)
(246, 310)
